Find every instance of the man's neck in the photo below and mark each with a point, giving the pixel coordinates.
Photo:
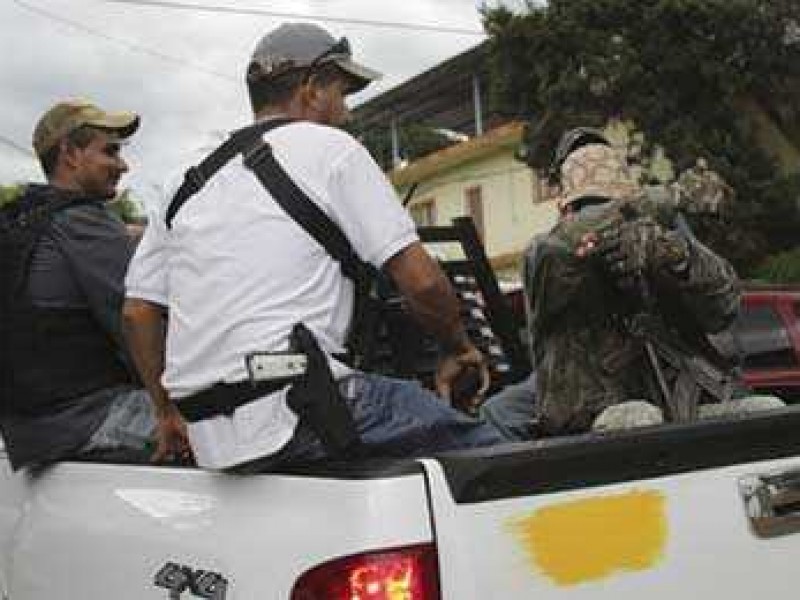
(270, 116)
(64, 184)
(278, 112)
(295, 109)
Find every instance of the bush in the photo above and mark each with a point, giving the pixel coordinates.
(9, 193)
(780, 268)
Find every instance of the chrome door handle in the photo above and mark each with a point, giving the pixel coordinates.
(772, 502)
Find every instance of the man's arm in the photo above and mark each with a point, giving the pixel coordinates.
(709, 288)
(433, 302)
(677, 268)
(365, 206)
(553, 279)
(143, 322)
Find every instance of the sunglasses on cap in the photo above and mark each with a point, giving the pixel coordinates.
(339, 49)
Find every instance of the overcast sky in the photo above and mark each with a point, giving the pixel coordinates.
(181, 70)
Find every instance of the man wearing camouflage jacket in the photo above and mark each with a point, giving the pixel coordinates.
(620, 298)
(615, 257)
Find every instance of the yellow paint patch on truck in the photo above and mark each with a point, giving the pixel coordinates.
(593, 538)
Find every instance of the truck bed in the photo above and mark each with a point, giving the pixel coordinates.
(697, 510)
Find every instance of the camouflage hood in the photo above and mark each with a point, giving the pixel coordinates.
(596, 170)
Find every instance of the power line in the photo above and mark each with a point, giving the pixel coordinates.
(6, 141)
(322, 18)
(129, 45)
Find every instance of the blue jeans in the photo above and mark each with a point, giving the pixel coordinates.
(512, 410)
(394, 418)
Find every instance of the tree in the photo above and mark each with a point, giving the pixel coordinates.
(127, 207)
(780, 268)
(124, 205)
(9, 193)
(415, 141)
(682, 71)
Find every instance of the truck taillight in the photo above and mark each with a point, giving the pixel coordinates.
(408, 573)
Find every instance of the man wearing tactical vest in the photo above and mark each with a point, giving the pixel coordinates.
(66, 386)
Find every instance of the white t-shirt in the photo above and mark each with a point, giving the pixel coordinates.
(236, 273)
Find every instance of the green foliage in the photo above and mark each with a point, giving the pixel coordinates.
(679, 69)
(780, 268)
(9, 193)
(126, 207)
(416, 141)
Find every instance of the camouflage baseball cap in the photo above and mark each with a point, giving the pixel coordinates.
(571, 141)
(596, 170)
(302, 46)
(67, 116)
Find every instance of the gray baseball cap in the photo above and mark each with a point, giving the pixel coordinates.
(305, 46)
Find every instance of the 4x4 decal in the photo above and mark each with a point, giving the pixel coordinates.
(201, 584)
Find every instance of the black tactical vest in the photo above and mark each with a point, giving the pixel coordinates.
(47, 355)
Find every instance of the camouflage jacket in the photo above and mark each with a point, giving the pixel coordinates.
(582, 348)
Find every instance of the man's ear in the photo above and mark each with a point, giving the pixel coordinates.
(309, 90)
(67, 154)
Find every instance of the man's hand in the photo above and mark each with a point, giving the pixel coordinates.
(462, 379)
(433, 302)
(629, 249)
(144, 329)
(701, 191)
(171, 439)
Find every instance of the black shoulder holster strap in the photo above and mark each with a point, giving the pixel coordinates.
(258, 157)
(196, 177)
(314, 397)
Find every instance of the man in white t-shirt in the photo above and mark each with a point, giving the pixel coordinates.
(235, 274)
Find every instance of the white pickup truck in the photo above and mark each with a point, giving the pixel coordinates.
(705, 510)
(700, 511)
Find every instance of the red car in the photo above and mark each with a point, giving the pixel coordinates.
(768, 335)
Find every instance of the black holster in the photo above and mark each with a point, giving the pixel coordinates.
(317, 402)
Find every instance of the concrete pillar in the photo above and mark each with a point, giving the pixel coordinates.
(395, 143)
(476, 100)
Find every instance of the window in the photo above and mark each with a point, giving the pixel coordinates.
(423, 213)
(474, 209)
(762, 337)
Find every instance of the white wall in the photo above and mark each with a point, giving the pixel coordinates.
(513, 212)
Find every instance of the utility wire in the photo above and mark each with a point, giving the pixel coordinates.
(6, 141)
(127, 44)
(322, 18)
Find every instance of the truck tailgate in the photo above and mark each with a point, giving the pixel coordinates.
(91, 531)
(698, 511)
